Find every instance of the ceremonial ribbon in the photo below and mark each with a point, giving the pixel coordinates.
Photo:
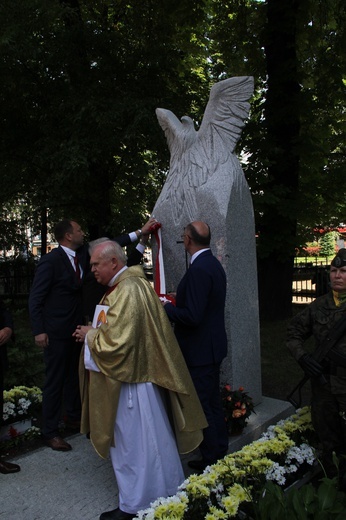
(160, 281)
(159, 278)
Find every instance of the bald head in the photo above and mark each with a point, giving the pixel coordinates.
(201, 232)
(196, 236)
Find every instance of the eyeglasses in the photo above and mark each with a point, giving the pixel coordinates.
(184, 235)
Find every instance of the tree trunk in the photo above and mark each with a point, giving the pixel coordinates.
(277, 226)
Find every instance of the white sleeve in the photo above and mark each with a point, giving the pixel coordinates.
(133, 236)
(88, 360)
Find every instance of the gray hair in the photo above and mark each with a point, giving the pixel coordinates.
(96, 242)
(109, 249)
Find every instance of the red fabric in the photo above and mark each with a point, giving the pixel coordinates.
(76, 263)
(157, 278)
(169, 297)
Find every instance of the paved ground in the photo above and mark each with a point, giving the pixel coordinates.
(75, 485)
(79, 485)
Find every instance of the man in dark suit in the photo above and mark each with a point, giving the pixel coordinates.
(57, 305)
(6, 331)
(200, 330)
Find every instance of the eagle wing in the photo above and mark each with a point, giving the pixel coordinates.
(222, 124)
(195, 156)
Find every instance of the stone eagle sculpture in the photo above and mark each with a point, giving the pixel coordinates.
(198, 155)
(206, 182)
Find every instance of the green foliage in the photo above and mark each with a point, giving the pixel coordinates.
(309, 502)
(82, 80)
(25, 363)
(25, 358)
(26, 438)
(328, 243)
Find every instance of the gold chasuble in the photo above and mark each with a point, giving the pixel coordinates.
(137, 345)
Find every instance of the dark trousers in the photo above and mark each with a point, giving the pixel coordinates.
(61, 388)
(328, 413)
(215, 438)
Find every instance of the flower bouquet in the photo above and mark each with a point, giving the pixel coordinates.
(20, 404)
(237, 406)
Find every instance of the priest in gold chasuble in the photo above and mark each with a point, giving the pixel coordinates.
(139, 402)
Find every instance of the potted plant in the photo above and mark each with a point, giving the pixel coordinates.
(237, 406)
(20, 404)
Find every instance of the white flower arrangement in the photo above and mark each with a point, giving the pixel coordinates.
(19, 402)
(235, 480)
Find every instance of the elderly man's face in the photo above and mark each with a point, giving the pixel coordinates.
(103, 268)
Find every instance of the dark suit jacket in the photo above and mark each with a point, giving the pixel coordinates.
(57, 300)
(199, 315)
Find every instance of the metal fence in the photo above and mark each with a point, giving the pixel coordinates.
(310, 279)
(16, 277)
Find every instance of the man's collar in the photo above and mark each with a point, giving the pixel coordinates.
(194, 256)
(111, 282)
(68, 251)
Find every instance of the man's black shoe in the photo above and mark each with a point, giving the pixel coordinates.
(116, 514)
(8, 467)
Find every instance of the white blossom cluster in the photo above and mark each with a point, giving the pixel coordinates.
(296, 456)
(10, 410)
(179, 500)
(272, 457)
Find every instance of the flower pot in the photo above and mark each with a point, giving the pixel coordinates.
(9, 431)
(235, 430)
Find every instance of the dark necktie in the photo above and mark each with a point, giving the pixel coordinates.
(76, 263)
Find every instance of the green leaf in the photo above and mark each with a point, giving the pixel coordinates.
(326, 494)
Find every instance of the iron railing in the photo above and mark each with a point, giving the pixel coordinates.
(310, 279)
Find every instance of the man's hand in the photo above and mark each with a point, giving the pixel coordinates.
(150, 226)
(42, 340)
(80, 332)
(311, 367)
